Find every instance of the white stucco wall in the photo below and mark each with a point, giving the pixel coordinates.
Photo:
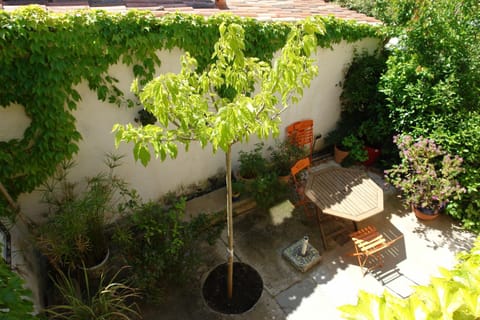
(95, 120)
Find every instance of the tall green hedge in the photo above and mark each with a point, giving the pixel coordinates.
(432, 86)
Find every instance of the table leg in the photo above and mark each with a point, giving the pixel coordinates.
(355, 226)
(318, 212)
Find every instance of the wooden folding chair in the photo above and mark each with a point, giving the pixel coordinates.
(368, 243)
(298, 167)
(301, 134)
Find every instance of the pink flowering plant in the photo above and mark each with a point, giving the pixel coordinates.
(426, 175)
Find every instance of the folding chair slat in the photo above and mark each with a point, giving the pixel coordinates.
(367, 245)
(369, 242)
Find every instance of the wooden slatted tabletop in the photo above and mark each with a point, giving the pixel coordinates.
(345, 193)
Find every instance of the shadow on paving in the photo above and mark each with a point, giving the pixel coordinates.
(261, 236)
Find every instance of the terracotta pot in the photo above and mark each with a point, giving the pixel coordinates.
(420, 213)
(339, 155)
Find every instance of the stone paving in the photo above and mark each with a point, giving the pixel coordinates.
(261, 237)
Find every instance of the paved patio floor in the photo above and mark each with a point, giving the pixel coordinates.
(260, 237)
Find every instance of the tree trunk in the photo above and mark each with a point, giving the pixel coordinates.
(228, 161)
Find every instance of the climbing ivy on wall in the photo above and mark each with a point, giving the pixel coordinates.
(44, 55)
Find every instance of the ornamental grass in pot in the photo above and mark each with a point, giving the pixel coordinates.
(74, 234)
(425, 176)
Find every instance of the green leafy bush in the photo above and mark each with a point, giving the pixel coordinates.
(364, 116)
(267, 190)
(355, 147)
(284, 154)
(364, 109)
(431, 86)
(252, 163)
(161, 247)
(15, 299)
(392, 12)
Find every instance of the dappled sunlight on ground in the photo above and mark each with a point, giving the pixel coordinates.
(260, 237)
(280, 212)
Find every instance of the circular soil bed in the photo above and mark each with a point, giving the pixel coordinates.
(247, 289)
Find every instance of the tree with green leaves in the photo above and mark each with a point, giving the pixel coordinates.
(233, 98)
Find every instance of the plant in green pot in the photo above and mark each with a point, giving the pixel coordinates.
(426, 176)
(74, 233)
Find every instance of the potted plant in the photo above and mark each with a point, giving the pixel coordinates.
(346, 143)
(426, 175)
(363, 106)
(252, 163)
(355, 147)
(283, 156)
(74, 234)
(238, 187)
(266, 189)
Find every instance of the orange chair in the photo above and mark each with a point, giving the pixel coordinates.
(301, 133)
(298, 167)
(369, 243)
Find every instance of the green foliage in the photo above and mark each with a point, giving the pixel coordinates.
(252, 163)
(364, 115)
(344, 140)
(392, 12)
(453, 295)
(284, 155)
(161, 247)
(107, 299)
(364, 109)
(223, 120)
(43, 56)
(15, 303)
(75, 230)
(266, 189)
(145, 117)
(355, 147)
(426, 175)
(432, 88)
